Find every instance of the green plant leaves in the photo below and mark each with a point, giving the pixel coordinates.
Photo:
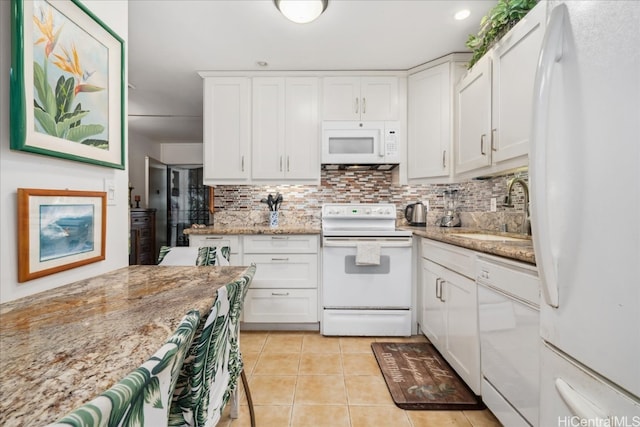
(495, 24)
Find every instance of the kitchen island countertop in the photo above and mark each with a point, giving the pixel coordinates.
(60, 348)
(520, 251)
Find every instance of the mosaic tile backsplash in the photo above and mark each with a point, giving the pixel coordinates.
(302, 203)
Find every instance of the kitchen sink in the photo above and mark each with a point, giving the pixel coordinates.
(495, 238)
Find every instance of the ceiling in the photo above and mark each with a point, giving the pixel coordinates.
(170, 41)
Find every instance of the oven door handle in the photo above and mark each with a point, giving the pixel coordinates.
(351, 242)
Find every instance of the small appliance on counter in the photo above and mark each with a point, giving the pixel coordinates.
(416, 214)
(451, 217)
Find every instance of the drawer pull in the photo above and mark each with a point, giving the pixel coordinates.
(213, 238)
(279, 259)
(280, 294)
(279, 238)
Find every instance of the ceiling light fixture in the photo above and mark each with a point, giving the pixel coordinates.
(462, 14)
(301, 11)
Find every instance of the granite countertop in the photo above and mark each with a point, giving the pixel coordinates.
(60, 348)
(297, 229)
(521, 250)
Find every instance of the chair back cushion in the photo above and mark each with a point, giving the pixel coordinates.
(191, 255)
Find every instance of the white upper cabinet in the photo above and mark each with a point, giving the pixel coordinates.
(495, 98)
(226, 130)
(286, 129)
(430, 124)
(360, 98)
(515, 60)
(473, 135)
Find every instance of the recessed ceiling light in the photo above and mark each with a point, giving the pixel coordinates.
(462, 14)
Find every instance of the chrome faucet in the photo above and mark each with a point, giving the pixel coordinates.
(526, 224)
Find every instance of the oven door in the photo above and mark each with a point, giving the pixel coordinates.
(347, 285)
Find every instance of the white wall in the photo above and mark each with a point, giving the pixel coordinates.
(25, 170)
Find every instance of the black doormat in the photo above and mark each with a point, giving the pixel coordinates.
(419, 378)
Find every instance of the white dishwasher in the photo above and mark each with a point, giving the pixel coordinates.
(509, 319)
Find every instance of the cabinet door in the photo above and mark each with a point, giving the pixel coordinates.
(514, 66)
(226, 130)
(432, 321)
(281, 305)
(302, 133)
(473, 145)
(463, 342)
(341, 98)
(284, 270)
(429, 122)
(268, 158)
(379, 98)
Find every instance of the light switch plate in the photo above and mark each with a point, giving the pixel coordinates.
(110, 189)
(493, 204)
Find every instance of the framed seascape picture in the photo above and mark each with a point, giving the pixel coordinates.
(59, 230)
(67, 83)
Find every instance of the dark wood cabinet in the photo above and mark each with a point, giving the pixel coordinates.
(143, 236)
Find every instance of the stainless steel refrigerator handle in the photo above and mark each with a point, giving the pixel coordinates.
(550, 53)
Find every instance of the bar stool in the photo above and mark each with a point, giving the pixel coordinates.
(210, 374)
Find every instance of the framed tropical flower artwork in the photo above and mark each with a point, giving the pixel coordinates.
(67, 83)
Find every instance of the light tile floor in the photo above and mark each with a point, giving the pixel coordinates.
(303, 379)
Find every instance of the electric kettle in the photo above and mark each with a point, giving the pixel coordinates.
(416, 214)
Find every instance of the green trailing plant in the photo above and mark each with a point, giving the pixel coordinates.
(495, 24)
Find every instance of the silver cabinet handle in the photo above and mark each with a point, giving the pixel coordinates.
(357, 105)
(280, 163)
(438, 288)
(279, 259)
(444, 159)
(364, 105)
(280, 294)
(493, 139)
(288, 164)
(242, 163)
(442, 282)
(482, 137)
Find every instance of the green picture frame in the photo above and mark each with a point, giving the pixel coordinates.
(66, 83)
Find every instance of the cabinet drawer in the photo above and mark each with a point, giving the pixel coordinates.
(280, 305)
(452, 257)
(284, 271)
(201, 240)
(280, 244)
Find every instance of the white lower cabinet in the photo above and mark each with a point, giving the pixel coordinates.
(281, 305)
(285, 286)
(448, 313)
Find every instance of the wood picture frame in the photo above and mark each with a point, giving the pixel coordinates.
(59, 230)
(66, 84)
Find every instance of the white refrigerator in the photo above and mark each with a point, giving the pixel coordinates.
(585, 204)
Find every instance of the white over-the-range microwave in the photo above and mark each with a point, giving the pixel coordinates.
(347, 142)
